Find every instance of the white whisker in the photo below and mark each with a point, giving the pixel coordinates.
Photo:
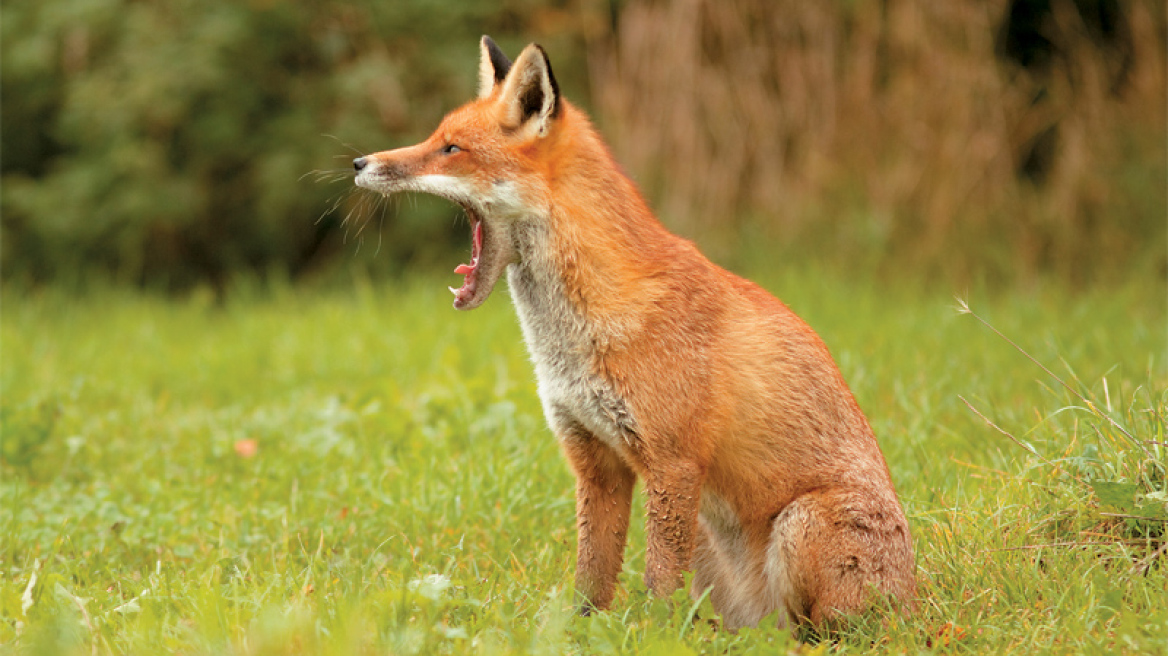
(360, 153)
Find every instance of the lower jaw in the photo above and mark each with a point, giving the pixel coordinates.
(466, 302)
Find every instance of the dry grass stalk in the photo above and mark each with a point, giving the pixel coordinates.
(782, 109)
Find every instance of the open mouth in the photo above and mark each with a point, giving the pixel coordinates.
(465, 294)
(490, 253)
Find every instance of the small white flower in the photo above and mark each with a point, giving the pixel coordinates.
(431, 586)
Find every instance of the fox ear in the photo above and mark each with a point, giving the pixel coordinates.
(493, 66)
(530, 93)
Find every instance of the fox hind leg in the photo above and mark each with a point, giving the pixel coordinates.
(833, 553)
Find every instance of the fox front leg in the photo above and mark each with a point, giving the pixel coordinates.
(604, 491)
(674, 494)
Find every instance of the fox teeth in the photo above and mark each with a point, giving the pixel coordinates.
(453, 291)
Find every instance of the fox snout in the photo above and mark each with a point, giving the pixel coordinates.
(383, 169)
(374, 165)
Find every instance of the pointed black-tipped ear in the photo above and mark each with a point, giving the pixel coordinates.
(493, 66)
(530, 93)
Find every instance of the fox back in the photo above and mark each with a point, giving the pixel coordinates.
(761, 473)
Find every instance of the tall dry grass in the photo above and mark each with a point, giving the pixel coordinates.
(895, 126)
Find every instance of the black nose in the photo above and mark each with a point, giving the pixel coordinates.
(359, 163)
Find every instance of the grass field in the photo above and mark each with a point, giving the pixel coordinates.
(360, 469)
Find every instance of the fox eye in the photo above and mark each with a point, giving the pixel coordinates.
(451, 149)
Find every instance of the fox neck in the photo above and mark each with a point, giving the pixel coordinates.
(600, 247)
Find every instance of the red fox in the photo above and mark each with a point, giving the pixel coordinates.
(761, 473)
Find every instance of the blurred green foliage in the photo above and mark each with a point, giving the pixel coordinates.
(172, 144)
(167, 143)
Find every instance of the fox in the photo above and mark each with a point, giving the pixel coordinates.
(761, 474)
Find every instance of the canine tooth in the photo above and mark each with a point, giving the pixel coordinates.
(453, 291)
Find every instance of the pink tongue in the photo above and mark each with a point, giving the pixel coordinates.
(476, 247)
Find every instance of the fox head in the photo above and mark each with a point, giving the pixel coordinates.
(488, 157)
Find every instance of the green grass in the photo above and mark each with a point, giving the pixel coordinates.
(405, 496)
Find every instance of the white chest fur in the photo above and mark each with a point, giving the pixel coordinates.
(560, 342)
